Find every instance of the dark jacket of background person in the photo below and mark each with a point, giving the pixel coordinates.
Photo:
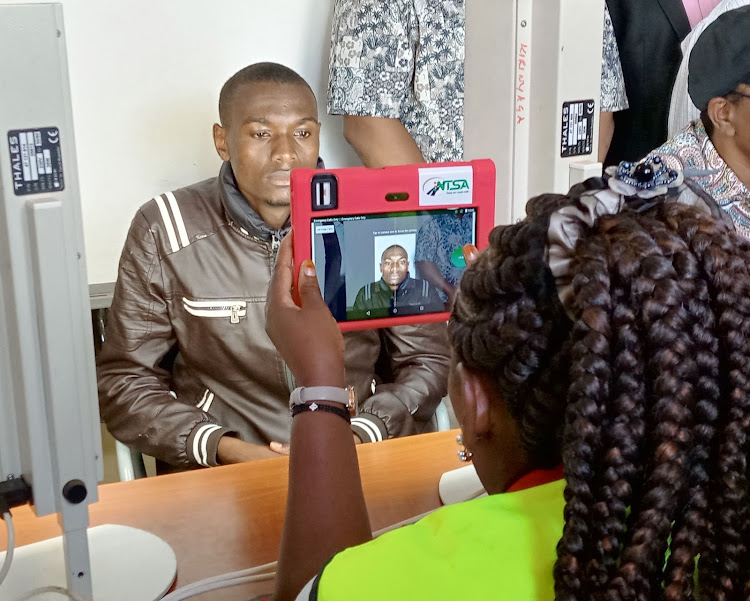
(648, 34)
(192, 286)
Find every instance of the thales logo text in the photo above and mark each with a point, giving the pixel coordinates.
(435, 185)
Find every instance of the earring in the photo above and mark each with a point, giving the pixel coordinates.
(464, 454)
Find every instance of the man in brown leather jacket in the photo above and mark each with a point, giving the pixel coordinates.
(187, 373)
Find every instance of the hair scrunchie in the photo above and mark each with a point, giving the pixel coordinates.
(638, 186)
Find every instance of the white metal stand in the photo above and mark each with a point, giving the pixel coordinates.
(532, 95)
(49, 420)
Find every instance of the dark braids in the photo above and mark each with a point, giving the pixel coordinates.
(693, 525)
(651, 381)
(590, 381)
(725, 261)
(622, 416)
(671, 377)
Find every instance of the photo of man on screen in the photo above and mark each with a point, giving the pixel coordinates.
(396, 292)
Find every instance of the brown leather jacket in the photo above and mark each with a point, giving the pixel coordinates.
(186, 357)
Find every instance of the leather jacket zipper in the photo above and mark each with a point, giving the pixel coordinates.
(231, 308)
(235, 315)
(275, 244)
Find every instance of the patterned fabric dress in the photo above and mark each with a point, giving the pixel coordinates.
(436, 241)
(693, 150)
(613, 96)
(404, 59)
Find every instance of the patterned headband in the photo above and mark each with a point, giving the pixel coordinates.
(630, 184)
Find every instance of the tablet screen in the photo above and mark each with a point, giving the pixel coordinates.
(391, 264)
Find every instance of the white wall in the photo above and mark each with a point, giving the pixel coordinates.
(145, 77)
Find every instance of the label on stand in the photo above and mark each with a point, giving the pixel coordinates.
(577, 128)
(36, 160)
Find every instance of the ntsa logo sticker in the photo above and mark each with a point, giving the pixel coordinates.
(435, 185)
(445, 186)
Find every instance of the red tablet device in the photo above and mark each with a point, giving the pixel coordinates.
(387, 243)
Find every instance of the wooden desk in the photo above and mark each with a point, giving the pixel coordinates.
(229, 518)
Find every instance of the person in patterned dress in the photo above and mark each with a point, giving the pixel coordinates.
(714, 150)
(396, 73)
(437, 239)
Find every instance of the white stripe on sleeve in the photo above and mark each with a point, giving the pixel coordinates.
(167, 223)
(178, 219)
(204, 443)
(369, 427)
(203, 432)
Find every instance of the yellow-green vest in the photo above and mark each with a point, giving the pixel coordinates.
(497, 547)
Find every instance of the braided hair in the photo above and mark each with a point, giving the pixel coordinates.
(644, 395)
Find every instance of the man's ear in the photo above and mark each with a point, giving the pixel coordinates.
(720, 111)
(220, 142)
(477, 391)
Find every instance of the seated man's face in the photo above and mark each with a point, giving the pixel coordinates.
(394, 266)
(273, 129)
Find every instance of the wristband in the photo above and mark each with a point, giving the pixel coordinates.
(340, 411)
(306, 394)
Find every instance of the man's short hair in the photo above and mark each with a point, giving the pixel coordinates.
(720, 59)
(256, 73)
(394, 247)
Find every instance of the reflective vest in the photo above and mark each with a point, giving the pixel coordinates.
(498, 547)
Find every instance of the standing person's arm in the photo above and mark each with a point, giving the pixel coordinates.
(135, 396)
(326, 509)
(381, 141)
(606, 133)
(429, 271)
(371, 70)
(427, 246)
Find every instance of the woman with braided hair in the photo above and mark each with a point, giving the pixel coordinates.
(601, 378)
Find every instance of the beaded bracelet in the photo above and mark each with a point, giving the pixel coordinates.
(340, 411)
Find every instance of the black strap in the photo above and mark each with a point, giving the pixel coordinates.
(342, 412)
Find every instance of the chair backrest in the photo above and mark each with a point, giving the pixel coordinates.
(442, 417)
(129, 462)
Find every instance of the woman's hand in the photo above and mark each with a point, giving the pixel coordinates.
(307, 337)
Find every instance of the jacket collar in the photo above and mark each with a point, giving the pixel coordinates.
(240, 212)
(401, 287)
